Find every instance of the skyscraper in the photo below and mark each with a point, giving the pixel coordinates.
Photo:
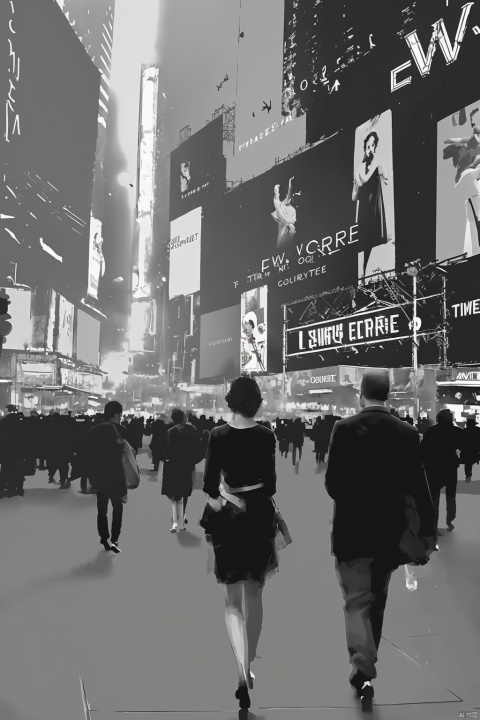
(93, 22)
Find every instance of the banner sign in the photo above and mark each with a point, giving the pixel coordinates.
(30, 374)
(86, 382)
(368, 328)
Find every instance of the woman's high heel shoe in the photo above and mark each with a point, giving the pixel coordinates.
(243, 697)
(366, 696)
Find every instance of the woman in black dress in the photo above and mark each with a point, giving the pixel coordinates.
(240, 520)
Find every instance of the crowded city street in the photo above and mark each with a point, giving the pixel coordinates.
(144, 629)
(239, 359)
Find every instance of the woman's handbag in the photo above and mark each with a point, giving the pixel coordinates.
(413, 547)
(283, 537)
(129, 463)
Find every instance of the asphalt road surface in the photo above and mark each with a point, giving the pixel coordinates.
(145, 629)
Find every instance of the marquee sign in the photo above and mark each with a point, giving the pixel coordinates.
(86, 382)
(367, 328)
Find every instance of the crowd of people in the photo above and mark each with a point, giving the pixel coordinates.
(377, 465)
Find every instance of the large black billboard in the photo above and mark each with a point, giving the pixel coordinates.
(321, 220)
(463, 305)
(198, 169)
(346, 60)
(49, 90)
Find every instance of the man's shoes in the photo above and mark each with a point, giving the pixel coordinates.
(468, 479)
(51, 480)
(106, 544)
(174, 528)
(450, 526)
(114, 548)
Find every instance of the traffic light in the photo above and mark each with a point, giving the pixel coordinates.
(5, 324)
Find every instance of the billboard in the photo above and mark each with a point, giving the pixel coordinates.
(66, 319)
(96, 258)
(87, 338)
(86, 382)
(51, 320)
(33, 374)
(48, 172)
(20, 309)
(143, 324)
(463, 304)
(198, 169)
(185, 254)
(293, 229)
(220, 343)
(458, 183)
(254, 312)
(349, 60)
(373, 195)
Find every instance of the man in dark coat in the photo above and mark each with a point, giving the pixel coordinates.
(442, 445)
(103, 458)
(182, 453)
(12, 454)
(374, 463)
(471, 447)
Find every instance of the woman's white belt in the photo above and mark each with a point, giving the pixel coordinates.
(230, 496)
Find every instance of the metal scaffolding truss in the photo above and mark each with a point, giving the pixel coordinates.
(228, 122)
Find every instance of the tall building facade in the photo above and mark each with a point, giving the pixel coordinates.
(93, 22)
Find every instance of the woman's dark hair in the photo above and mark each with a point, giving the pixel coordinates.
(375, 137)
(244, 397)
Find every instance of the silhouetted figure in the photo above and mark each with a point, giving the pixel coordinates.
(441, 448)
(471, 448)
(182, 453)
(240, 520)
(103, 454)
(12, 454)
(374, 464)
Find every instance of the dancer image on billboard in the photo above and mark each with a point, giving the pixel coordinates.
(285, 215)
(254, 331)
(373, 193)
(458, 222)
(185, 177)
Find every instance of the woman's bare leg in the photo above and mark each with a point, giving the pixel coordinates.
(236, 627)
(253, 616)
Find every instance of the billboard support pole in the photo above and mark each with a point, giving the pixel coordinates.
(284, 356)
(415, 351)
(444, 339)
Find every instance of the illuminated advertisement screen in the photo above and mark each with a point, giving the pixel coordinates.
(48, 134)
(463, 304)
(143, 322)
(66, 317)
(198, 169)
(87, 338)
(185, 253)
(219, 344)
(20, 309)
(253, 310)
(52, 314)
(96, 258)
(35, 374)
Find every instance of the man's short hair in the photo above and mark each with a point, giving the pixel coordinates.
(112, 408)
(178, 416)
(376, 385)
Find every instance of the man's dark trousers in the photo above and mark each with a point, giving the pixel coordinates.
(364, 583)
(102, 519)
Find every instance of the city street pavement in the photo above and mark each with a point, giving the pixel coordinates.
(145, 629)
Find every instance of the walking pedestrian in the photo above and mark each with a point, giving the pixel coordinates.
(442, 446)
(103, 451)
(240, 521)
(182, 453)
(374, 464)
(471, 447)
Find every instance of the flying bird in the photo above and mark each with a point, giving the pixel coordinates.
(267, 107)
(253, 114)
(241, 36)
